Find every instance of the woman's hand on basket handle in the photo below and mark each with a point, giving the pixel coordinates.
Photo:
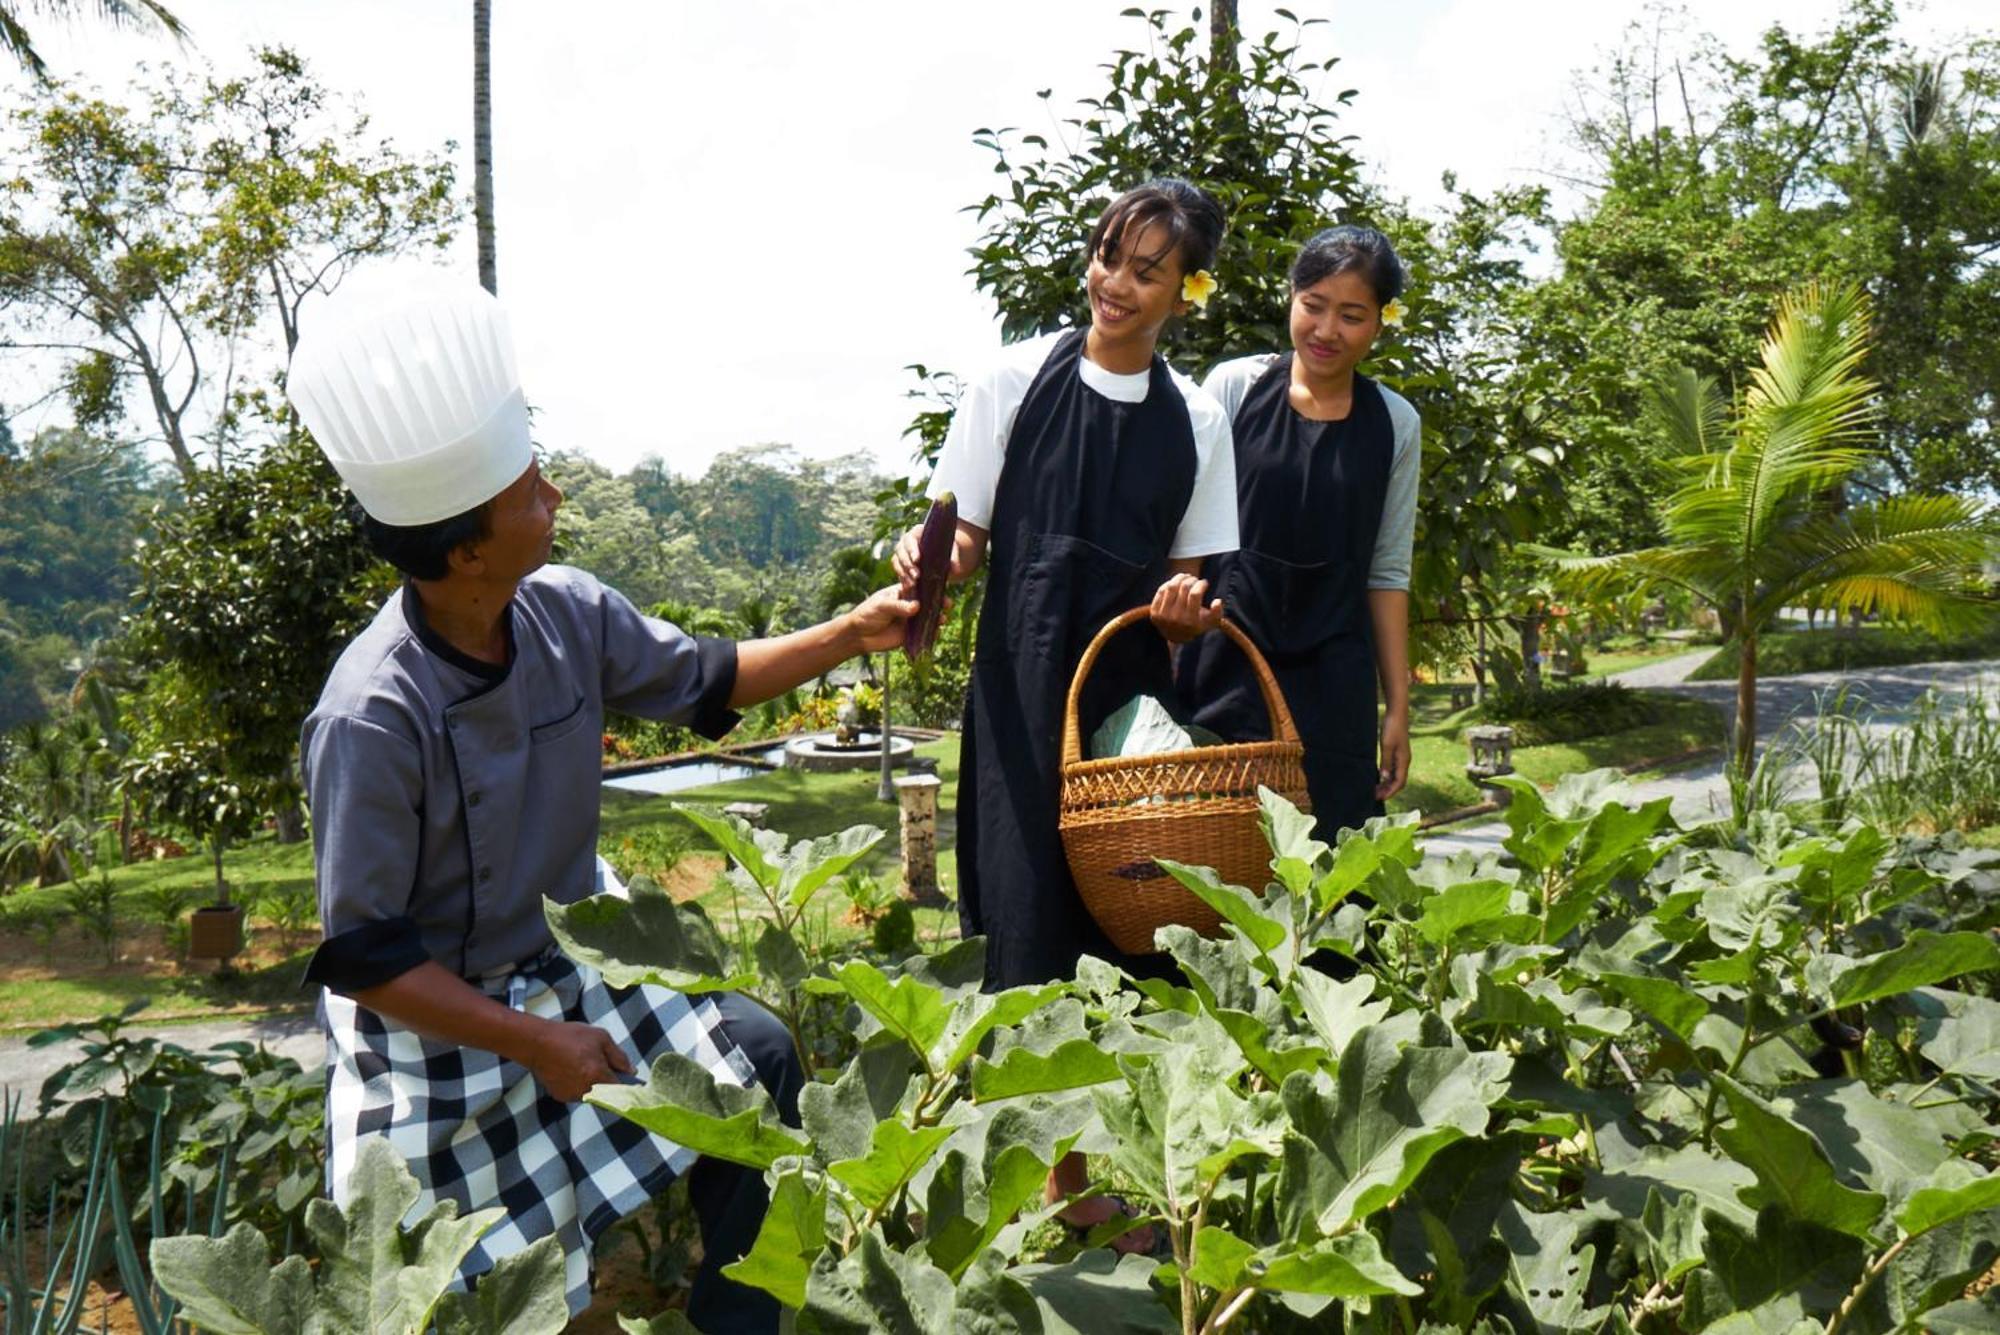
(1178, 609)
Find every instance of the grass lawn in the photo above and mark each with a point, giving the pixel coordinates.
(1438, 751)
(1790, 652)
(64, 979)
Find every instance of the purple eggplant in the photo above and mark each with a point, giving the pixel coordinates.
(933, 567)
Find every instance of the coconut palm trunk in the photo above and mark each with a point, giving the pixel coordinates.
(1746, 705)
(482, 142)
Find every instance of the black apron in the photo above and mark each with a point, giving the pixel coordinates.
(1309, 503)
(1090, 496)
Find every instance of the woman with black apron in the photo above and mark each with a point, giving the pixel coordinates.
(1093, 479)
(1326, 479)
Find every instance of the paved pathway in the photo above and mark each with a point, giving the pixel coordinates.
(1701, 792)
(22, 1068)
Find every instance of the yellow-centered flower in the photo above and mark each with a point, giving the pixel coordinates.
(1393, 313)
(1198, 287)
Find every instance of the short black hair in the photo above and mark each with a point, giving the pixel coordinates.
(1350, 248)
(423, 551)
(1190, 215)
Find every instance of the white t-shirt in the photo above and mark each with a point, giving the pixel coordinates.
(1389, 568)
(969, 464)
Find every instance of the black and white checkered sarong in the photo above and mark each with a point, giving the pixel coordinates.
(478, 1129)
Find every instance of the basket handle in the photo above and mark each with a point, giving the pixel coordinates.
(1282, 727)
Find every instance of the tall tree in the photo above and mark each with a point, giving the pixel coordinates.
(150, 245)
(1765, 524)
(19, 42)
(482, 141)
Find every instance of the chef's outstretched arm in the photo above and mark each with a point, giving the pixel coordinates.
(769, 668)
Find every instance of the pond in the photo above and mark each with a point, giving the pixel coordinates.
(698, 772)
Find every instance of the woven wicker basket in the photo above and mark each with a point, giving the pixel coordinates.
(1197, 806)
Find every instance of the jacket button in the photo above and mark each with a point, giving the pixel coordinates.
(485, 874)
(472, 799)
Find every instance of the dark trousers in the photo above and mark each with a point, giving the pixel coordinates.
(729, 1199)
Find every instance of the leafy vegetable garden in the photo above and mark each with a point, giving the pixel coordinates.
(1631, 1077)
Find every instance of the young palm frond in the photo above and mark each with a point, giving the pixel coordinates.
(18, 42)
(1906, 558)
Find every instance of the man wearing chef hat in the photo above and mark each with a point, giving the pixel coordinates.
(453, 769)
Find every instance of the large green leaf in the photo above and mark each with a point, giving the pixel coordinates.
(1618, 840)
(1957, 1191)
(780, 958)
(975, 1015)
(792, 1235)
(1968, 1316)
(228, 1284)
(1959, 1033)
(1239, 907)
(1348, 1267)
(1444, 1224)
(1466, 905)
(684, 1102)
(523, 1293)
(1926, 958)
(1337, 1011)
(1548, 1276)
(755, 851)
(840, 1117)
(967, 1210)
(874, 1289)
(1097, 1293)
(1688, 1173)
(1792, 1167)
(1076, 1063)
(1783, 1256)
(912, 1010)
(1878, 1143)
(1674, 1005)
(1358, 1142)
(1177, 1124)
(895, 1154)
(373, 1274)
(1365, 858)
(645, 939)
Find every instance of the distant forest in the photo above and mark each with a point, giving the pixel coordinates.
(756, 534)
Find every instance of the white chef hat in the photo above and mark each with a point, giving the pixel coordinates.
(406, 378)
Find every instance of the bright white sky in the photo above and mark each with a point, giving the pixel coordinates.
(725, 223)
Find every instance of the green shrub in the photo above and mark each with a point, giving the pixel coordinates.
(1567, 713)
(1789, 653)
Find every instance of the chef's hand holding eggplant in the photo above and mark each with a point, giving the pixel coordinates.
(1179, 611)
(766, 669)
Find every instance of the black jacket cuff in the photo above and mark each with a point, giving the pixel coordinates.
(367, 956)
(711, 716)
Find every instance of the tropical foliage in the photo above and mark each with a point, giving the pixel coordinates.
(1765, 521)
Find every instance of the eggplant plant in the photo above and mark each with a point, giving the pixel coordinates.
(1617, 1077)
(1581, 1086)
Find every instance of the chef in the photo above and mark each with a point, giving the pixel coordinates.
(452, 767)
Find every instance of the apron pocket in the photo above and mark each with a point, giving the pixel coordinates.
(1069, 588)
(1287, 609)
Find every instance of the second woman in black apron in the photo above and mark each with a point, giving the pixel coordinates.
(1326, 473)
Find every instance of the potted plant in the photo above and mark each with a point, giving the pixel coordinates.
(189, 784)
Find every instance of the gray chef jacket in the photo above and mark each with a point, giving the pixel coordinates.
(449, 796)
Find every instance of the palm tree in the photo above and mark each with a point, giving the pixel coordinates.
(482, 141)
(16, 40)
(1763, 523)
